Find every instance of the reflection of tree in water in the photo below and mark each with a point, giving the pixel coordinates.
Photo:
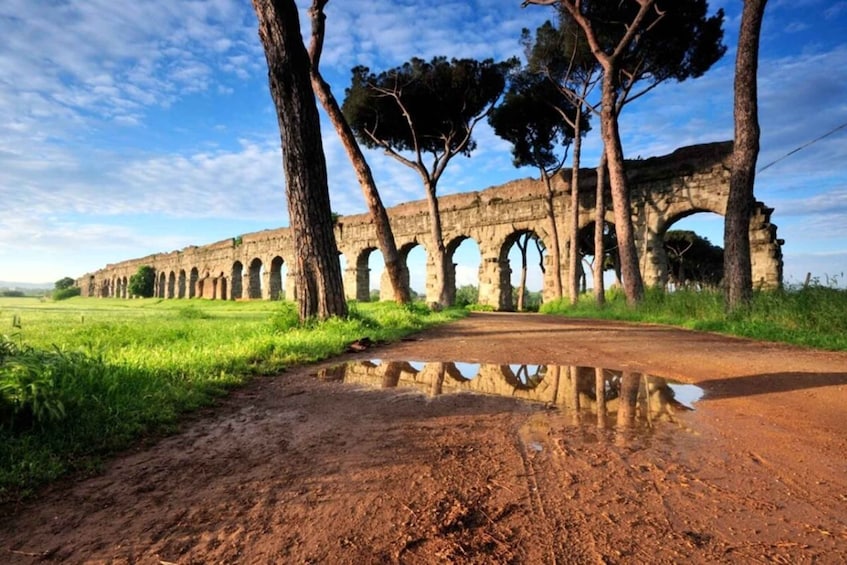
(618, 398)
(525, 377)
(610, 390)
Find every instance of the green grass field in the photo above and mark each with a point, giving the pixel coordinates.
(82, 378)
(812, 317)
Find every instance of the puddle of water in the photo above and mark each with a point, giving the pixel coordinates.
(613, 398)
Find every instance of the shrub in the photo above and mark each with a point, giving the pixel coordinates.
(65, 293)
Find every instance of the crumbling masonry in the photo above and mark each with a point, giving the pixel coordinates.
(663, 189)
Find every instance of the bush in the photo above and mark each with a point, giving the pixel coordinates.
(285, 318)
(65, 293)
(29, 391)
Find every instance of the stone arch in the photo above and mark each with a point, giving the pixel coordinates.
(523, 377)
(237, 274)
(461, 372)
(404, 251)
(201, 286)
(160, 288)
(765, 247)
(92, 286)
(692, 178)
(586, 238)
(254, 286)
(362, 274)
(450, 257)
(126, 287)
(180, 284)
(657, 261)
(275, 288)
(171, 292)
(220, 287)
(504, 299)
(193, 278)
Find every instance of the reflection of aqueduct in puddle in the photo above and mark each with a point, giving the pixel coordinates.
(663, 190)
(610, 395)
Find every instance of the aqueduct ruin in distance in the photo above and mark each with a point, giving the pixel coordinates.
(663, 190)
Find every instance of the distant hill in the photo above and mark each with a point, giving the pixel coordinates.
(26, 286)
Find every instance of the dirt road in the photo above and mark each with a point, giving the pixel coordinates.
(555, 462)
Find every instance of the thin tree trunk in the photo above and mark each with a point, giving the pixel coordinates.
(438, 250)
(632, 283)
(555, 251)
(738, 276)
(600, 395)
(320, 292)
(599, 226)
(522, 288)
(384, 233)
(574, 259)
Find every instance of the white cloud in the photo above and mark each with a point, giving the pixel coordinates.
(114, 111)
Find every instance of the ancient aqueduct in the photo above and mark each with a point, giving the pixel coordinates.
(663, 190)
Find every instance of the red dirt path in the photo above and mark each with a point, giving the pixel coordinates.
(292, 469)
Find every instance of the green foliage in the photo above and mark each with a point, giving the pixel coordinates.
(443, 99)
(812, 316)
(677, 42)
(143, 282)
(467, 295)
(12, 293)
(530, 118)
(286, 317)
(64, 283)
(191, 312)
(531, 300)
(65, 293)
(29, 392)
(693, 259)
(73, 391)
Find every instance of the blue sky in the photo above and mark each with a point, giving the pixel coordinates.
(129, 128)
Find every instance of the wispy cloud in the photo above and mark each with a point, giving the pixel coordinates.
(122, 123)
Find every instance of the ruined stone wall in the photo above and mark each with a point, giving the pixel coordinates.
(663, 190)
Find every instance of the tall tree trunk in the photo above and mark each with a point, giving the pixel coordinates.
(439, 259)
(555, 250)
(738, 276)
(319, 288)
(633, 285)
(599, 228)
(384, 233)
(522, 287)
(573, 259)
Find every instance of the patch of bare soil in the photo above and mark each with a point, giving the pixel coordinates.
(299, 469)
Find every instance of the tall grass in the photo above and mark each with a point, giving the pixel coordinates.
(815, 316)
(85, 377)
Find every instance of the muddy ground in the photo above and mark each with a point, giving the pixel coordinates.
(301, 469)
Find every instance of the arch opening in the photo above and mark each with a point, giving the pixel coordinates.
(254, 286)
(237, 274)
(414, 259)
(523, 264)
(276, 282)
(686, 255)
(464, 258)
(193, 278)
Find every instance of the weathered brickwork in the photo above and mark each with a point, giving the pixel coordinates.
(663, 189)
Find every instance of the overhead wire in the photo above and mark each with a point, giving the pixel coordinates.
(793, 151)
